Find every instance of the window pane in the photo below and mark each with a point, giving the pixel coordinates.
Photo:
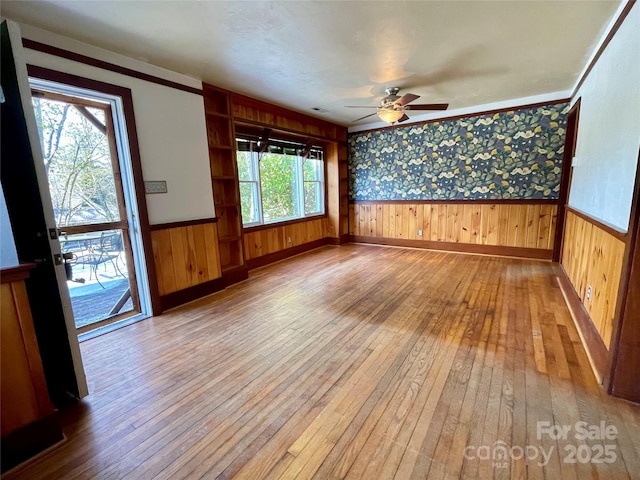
(78, 164)
(244, 166)
(278, 181)
(249, 202)
(312, 170)
(98, 275)
(312, 198)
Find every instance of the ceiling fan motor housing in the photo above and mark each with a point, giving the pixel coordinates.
(392, 96)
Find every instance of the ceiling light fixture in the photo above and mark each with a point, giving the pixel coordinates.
(390, 115)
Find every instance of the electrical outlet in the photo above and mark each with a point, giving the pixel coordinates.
(419, 233)
(288, 239)
(589, 292)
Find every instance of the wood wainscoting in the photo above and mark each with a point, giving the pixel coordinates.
(186, 255)
(507, 228)
(593, 255)
(263, 245)
(27, 420)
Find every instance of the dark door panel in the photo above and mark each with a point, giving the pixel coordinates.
(24, 204)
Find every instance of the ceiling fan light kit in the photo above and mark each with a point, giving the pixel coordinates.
(392, 107)
(390, 115)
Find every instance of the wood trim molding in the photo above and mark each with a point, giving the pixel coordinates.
(479, 201)
(573, 119)
(267, 226)
(184, 223)
(29, 441)
(623, 237)
(134, 151)
(76, 57)
(616, 26)
(285, 253)
(625, 345)
(338, 241)
(466, 115)
(175, 299)
(625, 359)
(17, 273)
(596, 350)
(522, 252)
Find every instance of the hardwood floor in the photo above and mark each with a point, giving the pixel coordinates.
(349, 362)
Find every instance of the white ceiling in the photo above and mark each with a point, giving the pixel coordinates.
(329, 54)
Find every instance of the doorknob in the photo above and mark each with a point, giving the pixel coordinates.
(59, 259)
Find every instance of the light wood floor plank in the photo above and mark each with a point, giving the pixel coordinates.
(356, 362)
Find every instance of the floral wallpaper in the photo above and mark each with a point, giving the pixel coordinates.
(514, 154)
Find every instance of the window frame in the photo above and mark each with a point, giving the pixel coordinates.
(256, 192)
(300, 180)
(321, 186)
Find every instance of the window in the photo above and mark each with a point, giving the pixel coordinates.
(284, 181)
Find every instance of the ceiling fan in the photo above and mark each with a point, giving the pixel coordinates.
(392, 108)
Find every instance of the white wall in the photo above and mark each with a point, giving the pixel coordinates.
(170, 123)
(8, 255)
(609, 130)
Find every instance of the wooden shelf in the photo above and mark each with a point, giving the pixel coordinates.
(224, 194)
(216, 101)
(222, 161)
(224, 176)
(218, 114)
(219, 131)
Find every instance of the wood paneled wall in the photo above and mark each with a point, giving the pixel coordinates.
(24, 397)
(593, 256)
(265, 241)
(185, 256)
(507, 225)
(262, 113)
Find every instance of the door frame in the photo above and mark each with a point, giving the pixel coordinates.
(573, 118)
(130, 130)
(47, 91)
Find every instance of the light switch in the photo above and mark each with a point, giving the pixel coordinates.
(158, 186)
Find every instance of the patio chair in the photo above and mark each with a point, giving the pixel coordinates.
(107, 250)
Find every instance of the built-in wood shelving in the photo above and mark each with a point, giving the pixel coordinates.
(343, 175)
(224, 176)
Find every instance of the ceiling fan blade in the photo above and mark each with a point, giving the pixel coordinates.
(427, 106)
(359, 106)
(403, 118)
(362, 118)
(407, 98)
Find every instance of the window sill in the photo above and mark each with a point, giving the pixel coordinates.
(266, 226)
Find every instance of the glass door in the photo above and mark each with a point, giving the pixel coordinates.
(83, 171)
